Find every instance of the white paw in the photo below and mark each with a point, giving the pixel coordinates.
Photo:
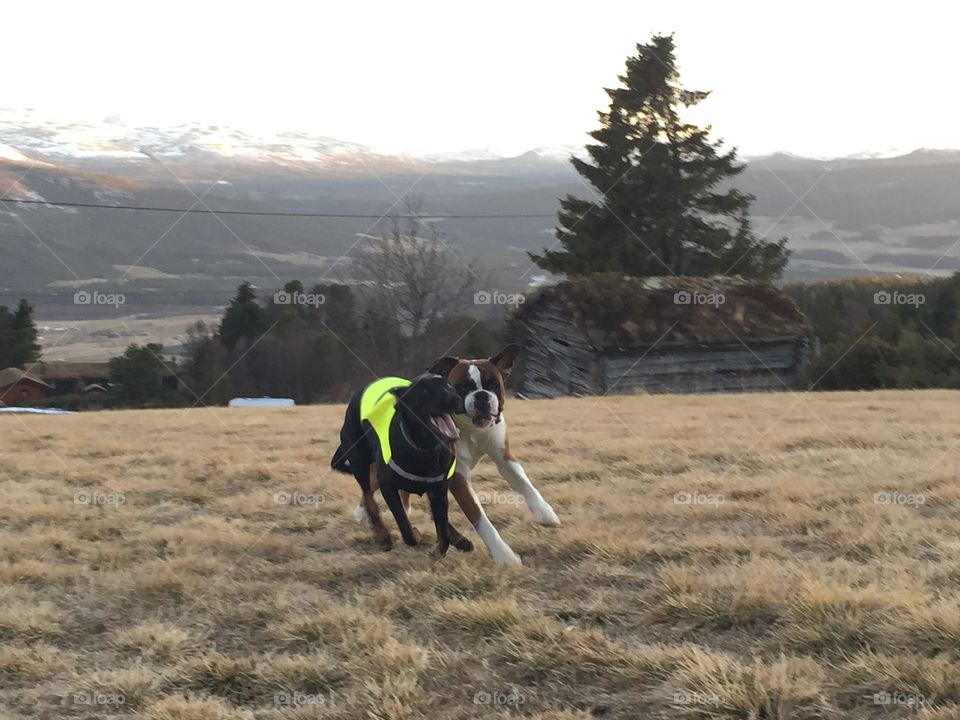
(506, 556)
(545, 515)
(498, 549)
(360, 513)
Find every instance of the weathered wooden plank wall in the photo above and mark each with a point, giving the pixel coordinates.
(553, 367)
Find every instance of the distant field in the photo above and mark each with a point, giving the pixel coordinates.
(760, 556)
(101, 339)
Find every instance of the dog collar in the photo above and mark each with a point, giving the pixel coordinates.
(403, 431)
(410, 476)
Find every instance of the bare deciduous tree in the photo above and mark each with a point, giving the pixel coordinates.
(415, 280)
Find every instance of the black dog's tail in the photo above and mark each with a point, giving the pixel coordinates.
(340, 462)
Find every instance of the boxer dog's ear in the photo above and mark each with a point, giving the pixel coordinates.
(442, 366)
(504, 359)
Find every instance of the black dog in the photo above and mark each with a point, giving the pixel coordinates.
(400, 436)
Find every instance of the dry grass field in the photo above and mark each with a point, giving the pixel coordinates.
(761, 556)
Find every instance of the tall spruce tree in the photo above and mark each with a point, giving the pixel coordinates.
(24, 335)
(243, 317)
(18, 336)
(6, 338)
(666, 206)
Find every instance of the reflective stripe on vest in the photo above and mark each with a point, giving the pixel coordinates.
(378, 407)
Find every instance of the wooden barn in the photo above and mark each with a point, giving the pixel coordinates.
(73, 378)
(21, 388)
(81, 378)
(611, 333)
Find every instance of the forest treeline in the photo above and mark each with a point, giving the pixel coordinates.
(882, 332)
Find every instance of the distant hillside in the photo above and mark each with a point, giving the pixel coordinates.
(843, 217)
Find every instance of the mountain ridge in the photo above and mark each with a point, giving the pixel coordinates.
(842, 216)
(43, 138)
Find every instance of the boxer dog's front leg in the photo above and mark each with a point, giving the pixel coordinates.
(513, 473)
(467, 500)
(497, 446)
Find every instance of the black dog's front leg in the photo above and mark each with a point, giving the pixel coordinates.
(392, 497)
(439, 508)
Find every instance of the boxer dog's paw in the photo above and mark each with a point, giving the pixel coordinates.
(507, 557)
(544, 514)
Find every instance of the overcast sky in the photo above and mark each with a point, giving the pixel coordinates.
(821, 78)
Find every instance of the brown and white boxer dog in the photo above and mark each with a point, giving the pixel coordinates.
(483, 431)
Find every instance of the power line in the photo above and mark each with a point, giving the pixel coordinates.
(275, 213)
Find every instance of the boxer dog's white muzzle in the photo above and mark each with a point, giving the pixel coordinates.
(481, 406)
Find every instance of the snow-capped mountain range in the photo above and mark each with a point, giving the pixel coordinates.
(39, 135)
(33, 135)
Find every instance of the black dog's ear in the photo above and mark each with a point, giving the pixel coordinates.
(441, 366)
(399, 392)
(504, 359)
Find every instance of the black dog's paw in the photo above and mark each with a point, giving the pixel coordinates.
(439, 552)
(416, 538)
(463, 545)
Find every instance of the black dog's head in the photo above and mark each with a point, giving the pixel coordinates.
(430, 403)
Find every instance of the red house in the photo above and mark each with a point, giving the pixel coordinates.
(21, 388)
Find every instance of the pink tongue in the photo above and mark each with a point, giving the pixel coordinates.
(446, 425)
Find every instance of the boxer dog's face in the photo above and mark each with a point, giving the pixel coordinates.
(479, 383)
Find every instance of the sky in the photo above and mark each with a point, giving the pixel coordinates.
(813, 78)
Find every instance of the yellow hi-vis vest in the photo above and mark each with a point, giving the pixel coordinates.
(377, 407)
